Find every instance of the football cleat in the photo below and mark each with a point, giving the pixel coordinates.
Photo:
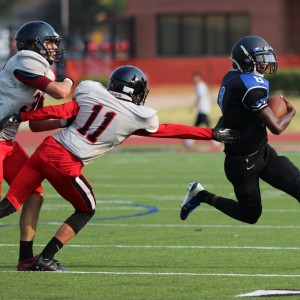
(26, 264)
(191, 201)
(44, 264)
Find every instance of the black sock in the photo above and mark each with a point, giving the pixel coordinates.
(52, 248)
(205, 196)
(6, 208)
(25, 250)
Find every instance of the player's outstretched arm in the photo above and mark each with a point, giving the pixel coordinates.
(180, 131)
(62, 111)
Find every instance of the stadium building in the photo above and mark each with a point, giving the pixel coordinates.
(165, 37)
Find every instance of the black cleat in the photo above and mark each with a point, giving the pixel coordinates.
(44, 264)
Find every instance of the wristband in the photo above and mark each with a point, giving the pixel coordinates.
(69, 79)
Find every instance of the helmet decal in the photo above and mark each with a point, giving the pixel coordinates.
(127, 89)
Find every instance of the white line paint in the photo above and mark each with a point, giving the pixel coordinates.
(199, 226)
(168, 274)
(262, 293)
(185, 247)
(169, 247)
(194, 226)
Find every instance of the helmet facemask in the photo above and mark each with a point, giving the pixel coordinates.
(52, 55)
(265, 60)
(139, 98)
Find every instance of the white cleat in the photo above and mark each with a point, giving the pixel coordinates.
(190, 202)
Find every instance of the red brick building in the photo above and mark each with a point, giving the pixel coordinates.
(169, 39)
(213, 24)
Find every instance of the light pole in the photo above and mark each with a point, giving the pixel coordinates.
(65, 17)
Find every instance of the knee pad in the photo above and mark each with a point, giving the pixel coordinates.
(79, 219)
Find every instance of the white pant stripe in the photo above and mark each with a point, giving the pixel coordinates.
(87, 191)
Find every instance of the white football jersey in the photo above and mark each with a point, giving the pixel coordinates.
(15, 95)
(103, 122)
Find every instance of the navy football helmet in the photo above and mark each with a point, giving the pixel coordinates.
(129, 83)
(253, 54)
(33, 35)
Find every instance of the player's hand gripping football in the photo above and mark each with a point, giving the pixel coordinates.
(289, 106)
(10, 121)
(225, 135)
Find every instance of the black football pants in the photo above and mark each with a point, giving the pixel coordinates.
(244, 172)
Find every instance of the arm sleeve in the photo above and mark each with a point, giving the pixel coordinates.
(40, 82)
(62, 111)
(178, 131)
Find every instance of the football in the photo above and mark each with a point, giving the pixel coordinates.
(277, 105)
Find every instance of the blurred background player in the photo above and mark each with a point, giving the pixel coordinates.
(243, 100)
(202, 104)
(24, 80)
(104, 119)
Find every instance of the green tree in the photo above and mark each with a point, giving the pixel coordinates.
(116, 6)
(83, 15)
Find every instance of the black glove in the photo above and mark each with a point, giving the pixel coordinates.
(10, 121)
(225, 135)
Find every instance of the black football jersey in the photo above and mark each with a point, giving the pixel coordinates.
(240, 95)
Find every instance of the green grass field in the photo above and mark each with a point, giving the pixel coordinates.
(136, 247)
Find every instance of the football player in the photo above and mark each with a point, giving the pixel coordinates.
(24, 81)
(104, 118)
(243, 101)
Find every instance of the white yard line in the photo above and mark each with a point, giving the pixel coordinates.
(194, 226)
(167, 274)
(106, 224)
(170, 247)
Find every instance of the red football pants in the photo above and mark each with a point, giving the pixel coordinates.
(53, 162)
(12, 159)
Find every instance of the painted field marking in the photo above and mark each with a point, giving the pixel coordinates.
(184, 247)
(102, 224)
(263, 293)
(166, 274)
(195, 226)
(169, 247)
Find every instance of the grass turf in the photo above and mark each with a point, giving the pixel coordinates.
(127, 252)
